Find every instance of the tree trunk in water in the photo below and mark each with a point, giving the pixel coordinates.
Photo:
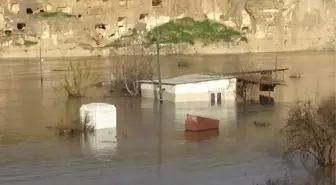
(330, 157)
(325, 157)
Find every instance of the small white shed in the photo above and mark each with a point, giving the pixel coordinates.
(191, 88)
(99, 115)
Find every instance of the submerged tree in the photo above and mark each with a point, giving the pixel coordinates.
(128, 73)
(78, 79)
(311, 130)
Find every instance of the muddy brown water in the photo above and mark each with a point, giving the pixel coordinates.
(154, 149)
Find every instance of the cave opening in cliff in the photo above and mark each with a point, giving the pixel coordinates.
(112, 35)
(143, 16)
(21, 26)
(121, 19)
(245, 29)
(100, 26)
(29, 11)
(8, 33)
(121, 22)
(243, 39)
(41, 11)
(156, 2)
(79, 15)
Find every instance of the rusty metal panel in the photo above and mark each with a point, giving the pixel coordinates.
(198, 123)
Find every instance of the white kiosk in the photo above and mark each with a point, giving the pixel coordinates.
(103, 118)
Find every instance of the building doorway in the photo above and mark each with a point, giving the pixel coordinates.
(215, 98)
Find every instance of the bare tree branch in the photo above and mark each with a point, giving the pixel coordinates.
(311, 129)
(128, 73)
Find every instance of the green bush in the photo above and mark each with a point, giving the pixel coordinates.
(187, 30)
(77, 81)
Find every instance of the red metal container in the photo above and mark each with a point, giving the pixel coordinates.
(198, 123)
(199, 136)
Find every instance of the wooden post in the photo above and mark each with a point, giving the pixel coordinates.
(41, 71)
(276, 67)
(269, 96)
(245, 94)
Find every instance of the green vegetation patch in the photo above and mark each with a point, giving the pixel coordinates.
(187, 30)
(29, 43)
(54, 14)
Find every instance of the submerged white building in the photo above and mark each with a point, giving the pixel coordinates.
(192, 88)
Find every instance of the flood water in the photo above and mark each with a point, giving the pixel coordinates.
(154, 149)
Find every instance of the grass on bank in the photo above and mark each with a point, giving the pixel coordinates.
(53, 14)
(28, 43)
(77, 126)
(187, 30)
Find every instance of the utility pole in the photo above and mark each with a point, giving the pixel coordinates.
(159, 140)
(41, 71)
(158, 58)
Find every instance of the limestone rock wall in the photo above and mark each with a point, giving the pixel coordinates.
(99, 22)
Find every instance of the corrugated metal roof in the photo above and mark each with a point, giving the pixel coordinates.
(184, 79)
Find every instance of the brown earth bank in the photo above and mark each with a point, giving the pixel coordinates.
(202, 48)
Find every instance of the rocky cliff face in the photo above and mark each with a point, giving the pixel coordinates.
(88, 24)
